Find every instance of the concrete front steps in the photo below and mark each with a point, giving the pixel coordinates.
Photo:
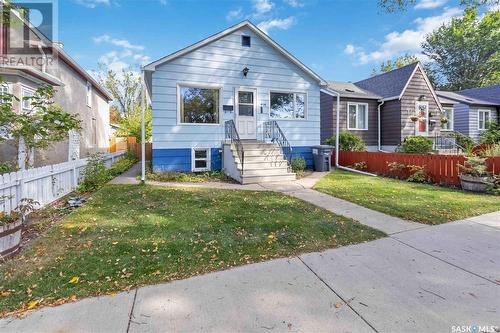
(263, 162)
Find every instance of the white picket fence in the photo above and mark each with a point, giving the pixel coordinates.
(44, 184)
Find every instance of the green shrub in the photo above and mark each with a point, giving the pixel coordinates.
(474, 166)
(492, 134)
(416, 145)
(417, 174)
(298, 164)
(348, 141)
(493, 150)
(95, 174)
(122, 165)
(361, 166)
(7, 167)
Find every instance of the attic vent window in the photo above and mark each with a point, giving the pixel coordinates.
(245, 41)
(349, 90)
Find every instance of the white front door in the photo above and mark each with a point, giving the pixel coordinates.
(246, 115)
(422, 125)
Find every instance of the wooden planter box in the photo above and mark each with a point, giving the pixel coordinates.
(10, 238)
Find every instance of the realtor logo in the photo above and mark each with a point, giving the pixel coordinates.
(27, 32)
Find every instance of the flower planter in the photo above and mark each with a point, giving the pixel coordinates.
(10, 238)
(474, 184)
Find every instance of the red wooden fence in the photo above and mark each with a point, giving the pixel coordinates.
(442, 169)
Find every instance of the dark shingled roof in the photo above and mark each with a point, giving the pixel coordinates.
(490, 94)
(388, 84)
(450, 95)
(348, 89)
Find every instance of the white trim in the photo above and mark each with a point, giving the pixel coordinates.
(202, 86)
(294, 92)
(152, 66)
(208, 159)
(23, 90)
(451, 120)
(88, 94)
(357, 111)
(478, 117)
(255, 92)
(429, 85)
(8, 86)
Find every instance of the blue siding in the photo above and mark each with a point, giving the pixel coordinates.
(179, 159)
(306, 153)
(461, 118)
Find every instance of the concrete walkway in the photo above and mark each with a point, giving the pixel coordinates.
(302, 189)
(422, 280)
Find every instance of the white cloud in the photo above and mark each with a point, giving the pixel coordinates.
(294, 3)
(93, 3)
(349, 49)
(234, 14)
(262, 7)
(282, 24)
(117, 42)
(407, 41)
(429, 4)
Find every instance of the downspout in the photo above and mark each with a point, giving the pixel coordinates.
(379, 126)
(143, 132)
(334, 93)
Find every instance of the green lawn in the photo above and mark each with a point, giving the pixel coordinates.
(417, 202)
(131, 235)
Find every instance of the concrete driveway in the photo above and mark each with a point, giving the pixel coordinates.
(424, 280)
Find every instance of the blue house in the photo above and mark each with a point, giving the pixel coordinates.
(235, 101)
(470, 111)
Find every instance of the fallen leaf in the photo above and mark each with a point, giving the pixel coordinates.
(74, 280)
(33, 304)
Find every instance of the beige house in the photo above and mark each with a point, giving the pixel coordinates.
(76, 91)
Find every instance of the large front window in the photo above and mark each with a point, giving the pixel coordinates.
(287, 105)
(447, 119)
(357, 116)
(483, 119)
(199, 105)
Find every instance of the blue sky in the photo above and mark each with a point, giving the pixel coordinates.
(340, 40)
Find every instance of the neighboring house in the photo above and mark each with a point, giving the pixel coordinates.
(233, 101)
(470, 110)
(404, 99)
(76, 91)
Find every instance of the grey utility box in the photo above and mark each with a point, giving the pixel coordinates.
(322, 155)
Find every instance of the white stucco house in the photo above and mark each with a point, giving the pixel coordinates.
(235, 101)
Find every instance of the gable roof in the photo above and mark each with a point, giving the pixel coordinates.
(349, 89)
(391, 84)
(251, 26)
(458, 97)
(489, 94)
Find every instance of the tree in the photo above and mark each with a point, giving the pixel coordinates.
(399, 62)
(114, 115)
(43, 124)
(465, 52)
(125, 88)
(391, 6)
(131, 124)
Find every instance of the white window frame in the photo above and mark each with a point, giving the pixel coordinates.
(7, 86)
(208, 159)
(357, 111)
(483, 111)
(294, 92)
(201, 86)
(451, 120)
(23, 101)
(88, 90)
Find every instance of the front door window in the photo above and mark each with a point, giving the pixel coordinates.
(246, 114)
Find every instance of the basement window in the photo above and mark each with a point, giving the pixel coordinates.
(200, 159)
(245, 41)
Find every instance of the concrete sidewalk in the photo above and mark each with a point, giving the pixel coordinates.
(422, 280)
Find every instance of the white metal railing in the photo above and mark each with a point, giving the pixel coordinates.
(44, 184)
